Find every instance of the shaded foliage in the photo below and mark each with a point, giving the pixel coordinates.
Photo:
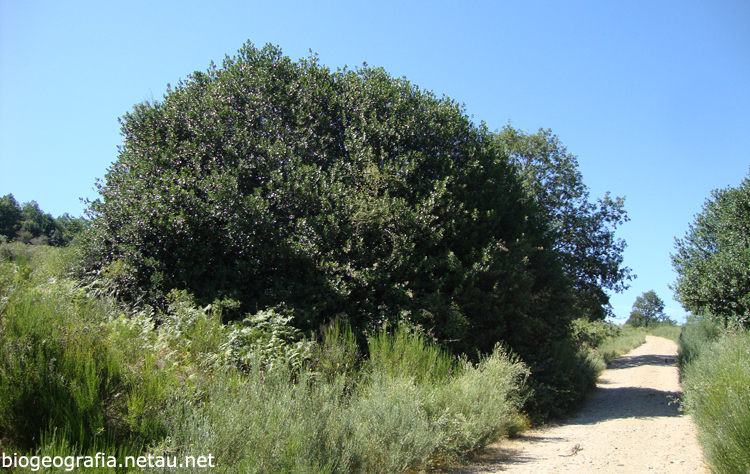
(11, 216)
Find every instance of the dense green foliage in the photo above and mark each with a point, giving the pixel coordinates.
(565, 377)
(712, 261)
(648, 310)
(582, 233)
(79, 376)
(441, 266)
(29, 224)
(349, 194)
(715, 370)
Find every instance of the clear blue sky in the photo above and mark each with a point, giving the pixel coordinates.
(652, 96)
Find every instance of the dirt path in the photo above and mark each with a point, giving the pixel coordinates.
(629, 424)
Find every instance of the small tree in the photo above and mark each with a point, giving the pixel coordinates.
(647, 310)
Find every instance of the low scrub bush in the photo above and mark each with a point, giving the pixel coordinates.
(399, 415)
(716, 383)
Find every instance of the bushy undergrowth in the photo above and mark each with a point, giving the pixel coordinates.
(397, 417)
(67, 381)
(715, 369)
(81, 375)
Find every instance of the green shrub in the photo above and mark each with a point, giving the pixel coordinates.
(390, 420)
(56, 370)
(591, 334)
(337, 354)
(711, 261)
(716, 381)
(269, 335)
(72, 372)
(350, 193)
(562, 381)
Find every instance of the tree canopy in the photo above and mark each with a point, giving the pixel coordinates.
(583, 232)
(712, 261)
(347, 194)
(337, 194)
(647, 310)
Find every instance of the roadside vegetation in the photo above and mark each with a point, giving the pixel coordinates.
(299, 270)
(715, 372)
(81, 374)
(712, 263)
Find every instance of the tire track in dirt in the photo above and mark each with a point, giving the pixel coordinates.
(630, 424)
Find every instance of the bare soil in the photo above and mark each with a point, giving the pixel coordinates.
(631, 423)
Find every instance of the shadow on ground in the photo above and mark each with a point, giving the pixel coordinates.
(627, 362)
(604, 404)
(626, 402)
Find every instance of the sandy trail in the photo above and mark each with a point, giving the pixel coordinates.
(629, 424)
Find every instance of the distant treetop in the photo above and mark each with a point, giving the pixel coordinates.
(27, 223)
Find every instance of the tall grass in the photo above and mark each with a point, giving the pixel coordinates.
(716, 381)
(697, 338)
